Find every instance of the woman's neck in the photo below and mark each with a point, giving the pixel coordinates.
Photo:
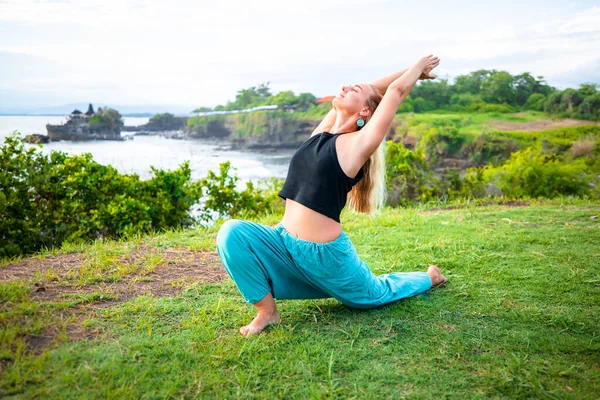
(343, 123)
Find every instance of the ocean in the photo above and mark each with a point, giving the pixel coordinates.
(136, 156)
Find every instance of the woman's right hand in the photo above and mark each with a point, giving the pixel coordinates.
(427, 64)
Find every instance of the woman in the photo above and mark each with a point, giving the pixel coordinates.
(308, 255)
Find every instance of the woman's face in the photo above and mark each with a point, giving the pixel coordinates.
(352, 98)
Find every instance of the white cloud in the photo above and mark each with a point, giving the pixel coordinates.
(202, 52)
(579, 22)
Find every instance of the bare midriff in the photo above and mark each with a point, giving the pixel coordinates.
(307, 224)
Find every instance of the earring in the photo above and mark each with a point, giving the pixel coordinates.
(360, 122)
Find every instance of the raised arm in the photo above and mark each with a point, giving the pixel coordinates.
(380, 84)
(370, 137)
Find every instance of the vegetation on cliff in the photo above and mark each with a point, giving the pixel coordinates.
(260, 96)
(108, 117)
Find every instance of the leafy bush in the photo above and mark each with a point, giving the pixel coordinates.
(409, 177)
(590, 108)
(532, 173)
(489, 148)
(48, 199)
(442, 141)
(224, 201)
(472, 185)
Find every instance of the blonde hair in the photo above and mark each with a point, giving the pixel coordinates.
(368, 196)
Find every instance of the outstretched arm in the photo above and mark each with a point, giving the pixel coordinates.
(370, 137)
(380, 84)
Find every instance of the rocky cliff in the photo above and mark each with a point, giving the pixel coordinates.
(253, 131)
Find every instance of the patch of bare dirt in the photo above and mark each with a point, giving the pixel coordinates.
(178, 269)
(539, 125)
(178, 266)
(25, 268)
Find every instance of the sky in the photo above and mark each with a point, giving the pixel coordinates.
(200, 53)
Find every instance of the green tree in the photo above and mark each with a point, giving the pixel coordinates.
(286, 98)
(588, 89)
(471, 83)
(421, 105)
(535, 102)
(202, 110)
(552, 104)
(525, 85)
(304, 101)
(590, 108)
(570, 101)
(437, 93)
(498, 88)
(109, 117)
(250, 97)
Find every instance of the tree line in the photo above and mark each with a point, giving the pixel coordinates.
(479, 91)
(499, 91)
(261, 96)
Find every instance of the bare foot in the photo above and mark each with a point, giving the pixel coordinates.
(260, 322)
(435, 275)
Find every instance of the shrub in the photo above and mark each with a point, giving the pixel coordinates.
(442, 141)
(471, 185)
(489, 148)
(222, 200)
(409, 177)
(590, 108)
(535, 102)
(531, 173)
(47, 199)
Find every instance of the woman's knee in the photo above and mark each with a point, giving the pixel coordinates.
(229, 232)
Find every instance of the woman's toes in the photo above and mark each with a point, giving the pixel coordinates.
(436, 275)
(247, 331)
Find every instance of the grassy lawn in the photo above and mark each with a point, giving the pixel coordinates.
(140, 318)
(471, 125)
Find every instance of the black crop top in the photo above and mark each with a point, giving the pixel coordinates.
(315, 178)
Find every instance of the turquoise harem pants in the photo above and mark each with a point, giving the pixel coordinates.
(261, 259)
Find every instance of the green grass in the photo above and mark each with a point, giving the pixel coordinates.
(518, 319)
(468, 124)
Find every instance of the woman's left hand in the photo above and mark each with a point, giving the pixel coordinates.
(427, 71)
(426, 76)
